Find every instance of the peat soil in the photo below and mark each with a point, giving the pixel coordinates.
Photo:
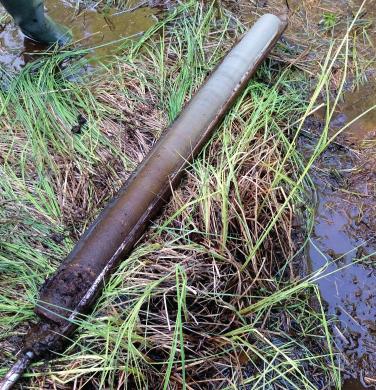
(344, 239)
(101, 30)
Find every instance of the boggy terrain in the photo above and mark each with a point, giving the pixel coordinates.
(213, 296)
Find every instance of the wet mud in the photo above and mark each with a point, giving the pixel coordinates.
(101, 30)
(344, 238)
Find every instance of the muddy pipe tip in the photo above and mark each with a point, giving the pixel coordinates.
(268, 25)
(16, 371)
(117, 230)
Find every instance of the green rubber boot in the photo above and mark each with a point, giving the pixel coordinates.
(30, 16)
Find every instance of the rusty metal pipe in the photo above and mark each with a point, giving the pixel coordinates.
(114, 233)
(112, 236)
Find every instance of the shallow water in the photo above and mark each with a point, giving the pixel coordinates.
(90, 29)
(344, 233)
(355, 104)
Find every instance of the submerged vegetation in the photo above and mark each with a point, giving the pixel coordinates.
(216, 295)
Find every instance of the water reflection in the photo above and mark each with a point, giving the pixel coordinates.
(90, 29)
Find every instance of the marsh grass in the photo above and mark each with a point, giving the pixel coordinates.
(215, 295)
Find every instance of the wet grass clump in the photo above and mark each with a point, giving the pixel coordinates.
(215, 295)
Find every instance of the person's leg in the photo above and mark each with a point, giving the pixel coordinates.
(30, 16)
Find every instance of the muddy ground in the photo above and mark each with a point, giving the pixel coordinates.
(90, 29)
(344, 233)
(343, 239)
(344, 236)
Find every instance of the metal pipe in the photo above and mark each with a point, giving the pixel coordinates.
(14, 374)
(74, 287)
(112, 236)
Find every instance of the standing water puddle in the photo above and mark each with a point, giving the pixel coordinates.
(344, 236)
(90, 29)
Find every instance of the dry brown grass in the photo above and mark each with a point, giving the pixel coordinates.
(308, 36)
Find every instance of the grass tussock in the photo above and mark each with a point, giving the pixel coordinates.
(213, 296)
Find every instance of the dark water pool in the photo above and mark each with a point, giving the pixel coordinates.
(344, 238)
(90, 27)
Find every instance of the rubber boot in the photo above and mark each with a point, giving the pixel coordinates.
(30, 16)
